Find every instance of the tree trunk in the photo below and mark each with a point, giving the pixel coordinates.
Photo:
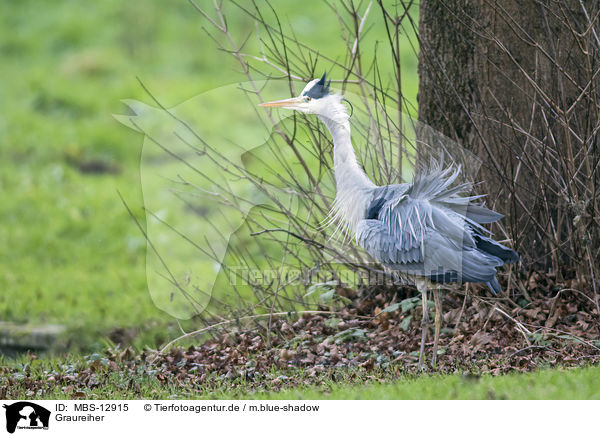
(516, 83)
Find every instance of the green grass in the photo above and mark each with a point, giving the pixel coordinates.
(555, 384)
(35, 379)
(70, 254)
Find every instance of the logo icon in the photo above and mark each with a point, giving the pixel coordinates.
(26, 415)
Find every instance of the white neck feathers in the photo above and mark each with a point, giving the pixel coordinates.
(353, 187)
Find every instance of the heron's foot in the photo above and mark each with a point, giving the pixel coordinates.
(435, 347)
(438, 324)
(422, 349)
(436, 340)
(422, 366)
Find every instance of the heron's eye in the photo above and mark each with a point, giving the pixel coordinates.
(307, 99)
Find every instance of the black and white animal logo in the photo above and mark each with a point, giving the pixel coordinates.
(26, 415)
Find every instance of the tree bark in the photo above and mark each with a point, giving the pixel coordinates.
(514, 82)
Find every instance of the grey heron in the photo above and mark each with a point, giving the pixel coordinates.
(426, 229)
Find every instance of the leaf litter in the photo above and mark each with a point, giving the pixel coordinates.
(376, 336)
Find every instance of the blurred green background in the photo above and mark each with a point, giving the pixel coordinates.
(69, 252)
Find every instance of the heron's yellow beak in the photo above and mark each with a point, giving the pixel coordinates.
(289, 103)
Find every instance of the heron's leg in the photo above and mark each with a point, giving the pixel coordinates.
(423, 289)
(438, 315)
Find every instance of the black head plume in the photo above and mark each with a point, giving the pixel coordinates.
(319, 89)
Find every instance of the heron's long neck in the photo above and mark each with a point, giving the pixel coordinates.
(348, 173)
(352, 184)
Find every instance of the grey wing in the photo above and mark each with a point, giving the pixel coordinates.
(374, 236)
(427, 229)
(438, 258)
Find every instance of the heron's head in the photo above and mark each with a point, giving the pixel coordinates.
(315, 98)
